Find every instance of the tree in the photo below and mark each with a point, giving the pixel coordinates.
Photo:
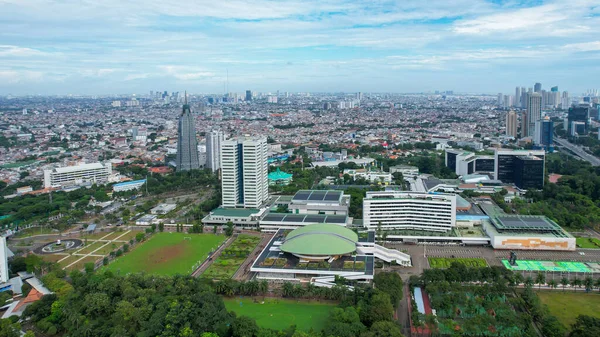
(383, 329)
(244, 326)
(553, 283)
(540, 279)
(378, 308)
(139, 237)
(229, 229)
(585, 326)
(528, 281)
(391, 284)
(9, 329)
(161, 227)
(564, 282)
(588, 283)
(215, 229)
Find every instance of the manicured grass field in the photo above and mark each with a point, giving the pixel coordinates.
(445, 262)
(279, 314)
(586, 243)
(167, 254)
(566, 306)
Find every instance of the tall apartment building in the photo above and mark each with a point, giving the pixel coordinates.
(244, 172)
(213, 150)
(511, 124)
(534, 113)
(507, 165)
(95, 173)
(409, 210)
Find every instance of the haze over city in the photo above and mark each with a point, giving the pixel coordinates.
(109, 46)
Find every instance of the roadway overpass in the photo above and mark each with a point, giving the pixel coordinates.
(578, 150)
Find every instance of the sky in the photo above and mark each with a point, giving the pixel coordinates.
(134, 46)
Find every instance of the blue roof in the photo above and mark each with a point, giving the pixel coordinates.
(133, 182)
(91, 227)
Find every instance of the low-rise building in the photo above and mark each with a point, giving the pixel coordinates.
(95, 173)
(409, 210)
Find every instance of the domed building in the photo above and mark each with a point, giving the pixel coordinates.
(320, 242)
(317, 253)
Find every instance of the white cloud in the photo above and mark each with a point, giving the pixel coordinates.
(14, 76)
(186, 73)
(16, 51)
(584, 46)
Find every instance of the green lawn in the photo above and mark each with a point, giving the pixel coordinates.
(586, 243)
(167, 254)
(566, 306)
(445, 262)
(279, 314)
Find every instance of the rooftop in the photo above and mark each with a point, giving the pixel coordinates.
(235, 212)
(320, 239)
(317, 195)
(133, 182)
(279, 175)
(305, 218)
(67, 169)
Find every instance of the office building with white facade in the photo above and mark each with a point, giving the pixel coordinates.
(95, 173)
(213, 150)
(244, 172)
(409, 210)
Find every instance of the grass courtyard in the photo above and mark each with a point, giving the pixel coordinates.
(279, 314)
(445, 262)
(588, 243)
(167, 254)
(566, 306)
(232, 258)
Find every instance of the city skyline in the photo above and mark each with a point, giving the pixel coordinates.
(133, 46)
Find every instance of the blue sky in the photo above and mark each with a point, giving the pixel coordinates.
(120, 46)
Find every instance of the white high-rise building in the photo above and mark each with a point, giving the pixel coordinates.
(213, 150)
(4, 275)
(517, 102)
(409, 210)
(95, 173)
(244, 171)
(534, 113)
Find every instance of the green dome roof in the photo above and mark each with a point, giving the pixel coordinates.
(319, 240)
(279, 175)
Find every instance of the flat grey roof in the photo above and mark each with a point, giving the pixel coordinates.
(317, 195)
(305, 218)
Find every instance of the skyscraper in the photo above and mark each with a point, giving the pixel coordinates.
(544, 133)
(534, 113)
(500, 99)
(213, 150)
(187, 144)
(517, 102)
(537, 87)
(244, 171)
(248, 95)
(511, 124)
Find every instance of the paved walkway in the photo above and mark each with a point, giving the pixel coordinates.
(84, 255)
(213, 257)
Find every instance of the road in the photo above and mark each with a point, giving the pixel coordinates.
(595, 161)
